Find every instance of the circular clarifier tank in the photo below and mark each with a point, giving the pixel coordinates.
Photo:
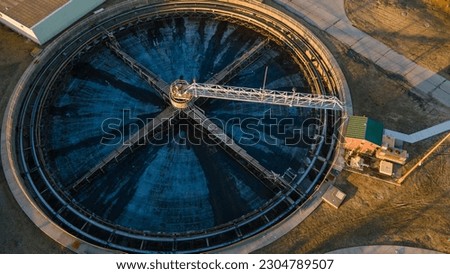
(110, 149)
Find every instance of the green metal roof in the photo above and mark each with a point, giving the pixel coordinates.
(356, 127)
(360, 127)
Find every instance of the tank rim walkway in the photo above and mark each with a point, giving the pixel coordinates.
(68, 240)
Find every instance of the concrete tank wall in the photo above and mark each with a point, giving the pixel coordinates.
(8, 134)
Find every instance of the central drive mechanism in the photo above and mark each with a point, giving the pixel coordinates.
(179, 94)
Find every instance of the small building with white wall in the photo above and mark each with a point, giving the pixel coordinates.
(40, 21)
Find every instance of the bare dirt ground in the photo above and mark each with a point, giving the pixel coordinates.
(18, 233)
(418, 29)
(416, 214)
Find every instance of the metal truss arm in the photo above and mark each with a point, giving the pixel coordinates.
(151, 78)
(239, 64)
(271, 180)
(138, 138)
(265, 96)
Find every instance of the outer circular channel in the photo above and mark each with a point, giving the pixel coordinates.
(51, 208)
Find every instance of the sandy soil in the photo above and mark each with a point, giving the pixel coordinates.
(418, 29)
(18, 233)
(416, 214)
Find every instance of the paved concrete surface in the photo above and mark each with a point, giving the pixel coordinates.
(420, 135)
(330, 16)
(383, 249)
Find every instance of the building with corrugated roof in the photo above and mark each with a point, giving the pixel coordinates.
(40, 21)
(363, 135)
